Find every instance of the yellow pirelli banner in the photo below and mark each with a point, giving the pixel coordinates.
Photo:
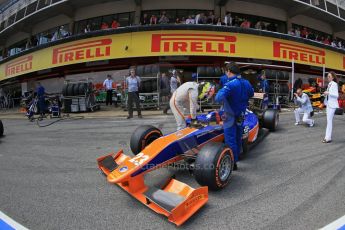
(172, 43)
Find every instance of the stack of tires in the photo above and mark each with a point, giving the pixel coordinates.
(209, 71)
(148, 71)
(76, 89)
(278, 82)
(81, 90)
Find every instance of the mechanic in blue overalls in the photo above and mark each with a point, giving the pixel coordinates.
(263, 83)
(41, 99)
(235, 97)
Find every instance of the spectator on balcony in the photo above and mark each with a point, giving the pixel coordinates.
(219, 22)
(334, 43)
(245, 24)
(190, 20)
(260, 25)
(304, 32)
(178, 21)
(145, 20)
(327, 41)
(163, 19)
(87, 29)
(153, 20)
(104, 26)
(236, 21)
(291, 32)
(297, 32)
(115, 24)
(183, 20)
(211, 19)
(200, 19)
(311, 36)
(228, 19)
(340, 45)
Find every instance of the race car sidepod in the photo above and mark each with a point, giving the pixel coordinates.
(175, 200)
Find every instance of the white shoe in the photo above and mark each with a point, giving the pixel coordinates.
(297, 123)
(312, 123)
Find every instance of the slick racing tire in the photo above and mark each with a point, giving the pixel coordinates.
(70, 89)
(213, 166)
(64, 90)
(270, 119)
(1, 129)
(143, 136)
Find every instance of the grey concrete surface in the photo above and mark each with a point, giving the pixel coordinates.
(49, 178)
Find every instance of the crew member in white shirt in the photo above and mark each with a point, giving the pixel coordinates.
(108, 86)
(331, 101)
(305, 108)
(185, 96)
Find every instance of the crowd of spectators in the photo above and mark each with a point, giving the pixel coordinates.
(203, 18)
(304, 32)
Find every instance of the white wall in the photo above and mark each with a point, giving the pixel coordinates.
(16, 38)
(256, 9)
(104, 9)
(50, 23)
(312, 23)
(178, 4)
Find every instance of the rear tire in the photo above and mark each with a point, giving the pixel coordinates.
(271, 119)
(1, 129)
(214, 165)
(143, 136)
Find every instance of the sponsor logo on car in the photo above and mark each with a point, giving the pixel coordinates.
(123, 169)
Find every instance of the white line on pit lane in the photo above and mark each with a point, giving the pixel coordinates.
(338, 224)
(7, 220)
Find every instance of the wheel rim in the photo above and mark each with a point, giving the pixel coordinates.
(225, 168)
(151, 138)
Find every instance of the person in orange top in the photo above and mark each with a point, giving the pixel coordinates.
(104, 26)
(115, 24)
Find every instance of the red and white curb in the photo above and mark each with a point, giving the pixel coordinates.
(338, 224)
(6, 223)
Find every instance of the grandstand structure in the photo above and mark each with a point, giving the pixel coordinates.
(55, 40)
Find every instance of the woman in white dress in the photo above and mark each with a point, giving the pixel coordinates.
(331, 101)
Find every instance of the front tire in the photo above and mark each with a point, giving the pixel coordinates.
(213, 166)
(143, 136)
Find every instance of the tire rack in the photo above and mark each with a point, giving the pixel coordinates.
(88, 98)
(278, 83)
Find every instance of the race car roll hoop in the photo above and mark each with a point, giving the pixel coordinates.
(202, 147)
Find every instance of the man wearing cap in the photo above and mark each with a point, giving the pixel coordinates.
(235, 97)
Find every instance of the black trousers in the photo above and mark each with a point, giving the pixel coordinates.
(133, 97)
(109, 98)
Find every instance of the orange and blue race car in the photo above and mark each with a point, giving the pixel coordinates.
(202, 147)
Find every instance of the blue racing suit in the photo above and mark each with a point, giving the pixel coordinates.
(264, 85)
(223, 80)
(235, 96)
(41, 99)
